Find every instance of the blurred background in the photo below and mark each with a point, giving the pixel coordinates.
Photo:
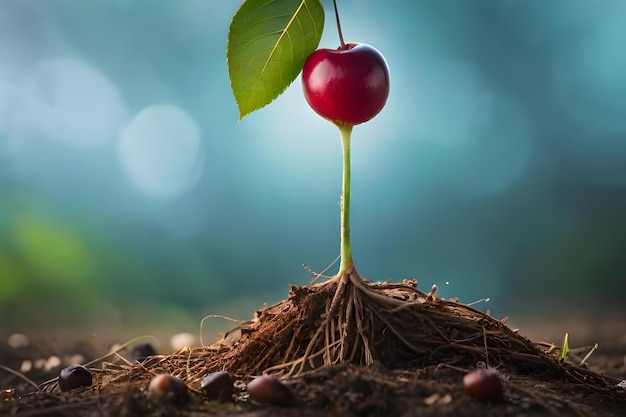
(131, 197)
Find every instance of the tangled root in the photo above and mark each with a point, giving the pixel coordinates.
(349, 319)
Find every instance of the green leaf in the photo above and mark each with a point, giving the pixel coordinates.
(268, 42)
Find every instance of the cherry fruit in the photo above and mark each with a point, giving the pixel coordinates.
(348, 85)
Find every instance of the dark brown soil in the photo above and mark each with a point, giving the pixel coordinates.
(349, 347)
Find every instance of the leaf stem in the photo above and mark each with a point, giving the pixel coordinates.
(347, 263)
(343, 44)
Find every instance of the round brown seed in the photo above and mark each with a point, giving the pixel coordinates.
(218, 386)
(73, 377)
(483, 385)
(269, 390)
(168, 388)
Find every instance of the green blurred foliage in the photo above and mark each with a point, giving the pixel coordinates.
(53, 251)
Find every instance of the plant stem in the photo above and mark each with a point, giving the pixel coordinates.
(346, 265)
(343, 44)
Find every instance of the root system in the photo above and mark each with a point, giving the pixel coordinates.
(386, 336)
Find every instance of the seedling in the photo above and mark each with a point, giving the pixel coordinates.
(346, 86)
(345, 318)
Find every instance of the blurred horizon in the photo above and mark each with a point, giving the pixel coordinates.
(131, 194)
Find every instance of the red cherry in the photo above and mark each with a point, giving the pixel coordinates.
(348, 85)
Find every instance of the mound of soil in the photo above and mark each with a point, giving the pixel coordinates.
(350, 347)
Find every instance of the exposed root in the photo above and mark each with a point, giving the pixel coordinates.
(351, 320)
(348, 319)
(350, 326)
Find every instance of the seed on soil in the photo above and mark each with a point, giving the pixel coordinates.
(140, 351)
(73, 377)
(218, 386)
(168, 389)
(483, 385)
(269, 390)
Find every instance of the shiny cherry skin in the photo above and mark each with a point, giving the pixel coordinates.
(348, 85)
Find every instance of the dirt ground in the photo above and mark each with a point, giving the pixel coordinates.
(429, 383)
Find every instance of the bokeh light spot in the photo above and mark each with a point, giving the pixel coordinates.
(68, 101)
(161, 151)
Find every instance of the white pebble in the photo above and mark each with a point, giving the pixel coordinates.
(27, 365)
(18, 340)
(181, 340)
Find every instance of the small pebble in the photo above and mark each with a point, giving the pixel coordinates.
(52, 362)
(218, 386)
(27, 365)
(168, 389)
(483, 385)
(18, 340)
(181, 340)
(73, 377)
(269, 390)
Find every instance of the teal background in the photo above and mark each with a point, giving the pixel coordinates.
(130, 194)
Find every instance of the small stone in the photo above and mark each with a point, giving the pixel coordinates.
(40, 363)
(18, 340)
(483, 385)
(52, 362)
(27, 365)
(218, 386)
(73, 377)
(269, 390)
(182, 340)
(168, 389)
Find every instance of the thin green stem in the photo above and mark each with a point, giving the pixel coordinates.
(346, 264)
